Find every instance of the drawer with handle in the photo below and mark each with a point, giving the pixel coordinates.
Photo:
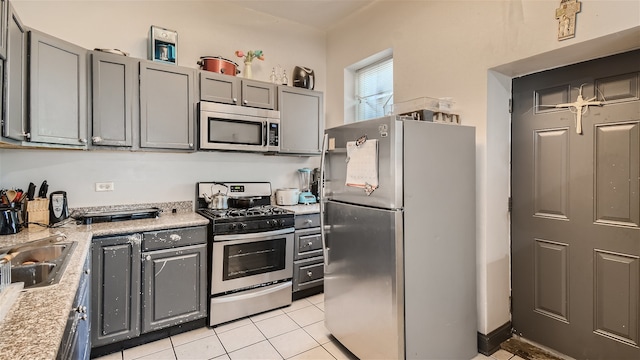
(308, 273)
(165, 239)
(307, 221)
(308, 243)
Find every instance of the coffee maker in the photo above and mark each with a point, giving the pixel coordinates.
(163, 45)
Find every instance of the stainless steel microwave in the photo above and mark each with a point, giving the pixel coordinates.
(238, 128)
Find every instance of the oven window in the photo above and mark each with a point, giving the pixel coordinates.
(227, 131)
(254, 258)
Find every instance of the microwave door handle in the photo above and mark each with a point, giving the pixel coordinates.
(264, 133)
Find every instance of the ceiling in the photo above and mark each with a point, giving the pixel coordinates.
(320, 14)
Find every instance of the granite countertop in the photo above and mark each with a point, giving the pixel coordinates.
(301, 209)
(33, 327)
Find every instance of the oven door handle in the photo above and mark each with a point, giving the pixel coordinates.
(257, 235)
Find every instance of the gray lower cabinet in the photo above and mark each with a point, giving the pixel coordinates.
(76, 344)
(116, 289)
(114, 99)
(146, 282)
(233, 90)
(57, 91)
(308, 264)
(167, 106)
(14, 124)
(173, 287)
(301, 120)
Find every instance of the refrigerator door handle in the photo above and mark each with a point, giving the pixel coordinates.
(325, 249)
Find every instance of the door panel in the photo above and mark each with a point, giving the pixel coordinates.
(551, 173)
(616, 296)
(616, 174)
(551, 281)
(576, 209)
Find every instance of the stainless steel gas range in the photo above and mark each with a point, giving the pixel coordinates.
(250, 250)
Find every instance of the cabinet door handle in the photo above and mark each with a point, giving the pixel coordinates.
(175, 237)
(235, 100)
(308, 221)
(245, 102)
(96, 139)
(84, 141)
(148, 258)
(310, 243)
(87, 271)
(83, 317)
(309, 273)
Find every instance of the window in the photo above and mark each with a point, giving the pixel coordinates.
(374, 89)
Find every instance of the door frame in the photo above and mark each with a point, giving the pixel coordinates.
(497, 148)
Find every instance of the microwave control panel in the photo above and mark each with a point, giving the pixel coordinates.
(273, 134)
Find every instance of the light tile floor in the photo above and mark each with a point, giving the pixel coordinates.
(294, 332)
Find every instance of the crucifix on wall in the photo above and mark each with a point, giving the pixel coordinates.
(566, 15)
(579, 107)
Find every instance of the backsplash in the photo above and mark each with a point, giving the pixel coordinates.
(166, 207)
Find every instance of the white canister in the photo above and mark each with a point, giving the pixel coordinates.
(287, 196)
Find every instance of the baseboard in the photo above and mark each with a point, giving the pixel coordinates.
(490, 343)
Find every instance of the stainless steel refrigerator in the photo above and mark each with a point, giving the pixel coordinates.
(399, 229)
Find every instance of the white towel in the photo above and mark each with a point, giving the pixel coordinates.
(362, 165)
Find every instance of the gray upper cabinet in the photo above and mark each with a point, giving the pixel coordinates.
(15, 120)
(115, 289)
(227, 89)
(167, 104)
(219, 88)
(258, 94)
(301, 120)
(4, 8)
(57, 91)
(114, 99)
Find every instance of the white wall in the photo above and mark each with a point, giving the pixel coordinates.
(205, 28)
(448, 49)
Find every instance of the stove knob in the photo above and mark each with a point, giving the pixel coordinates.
(281, 222)
(232, 226)
(242, 226)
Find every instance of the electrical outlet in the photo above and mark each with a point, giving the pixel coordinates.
(104, 186)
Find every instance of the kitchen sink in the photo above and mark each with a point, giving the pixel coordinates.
(39, 254)
(39, 265)
(34, 274)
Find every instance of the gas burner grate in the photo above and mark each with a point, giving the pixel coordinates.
(262, 210)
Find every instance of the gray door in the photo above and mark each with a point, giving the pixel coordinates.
(57, 90)
(15, 121)
(301, 120)
(576, 209)
(113, 97)
(115, 290)
(167, 102)
(174, 288)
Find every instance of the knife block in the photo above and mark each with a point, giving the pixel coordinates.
(38, 212)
